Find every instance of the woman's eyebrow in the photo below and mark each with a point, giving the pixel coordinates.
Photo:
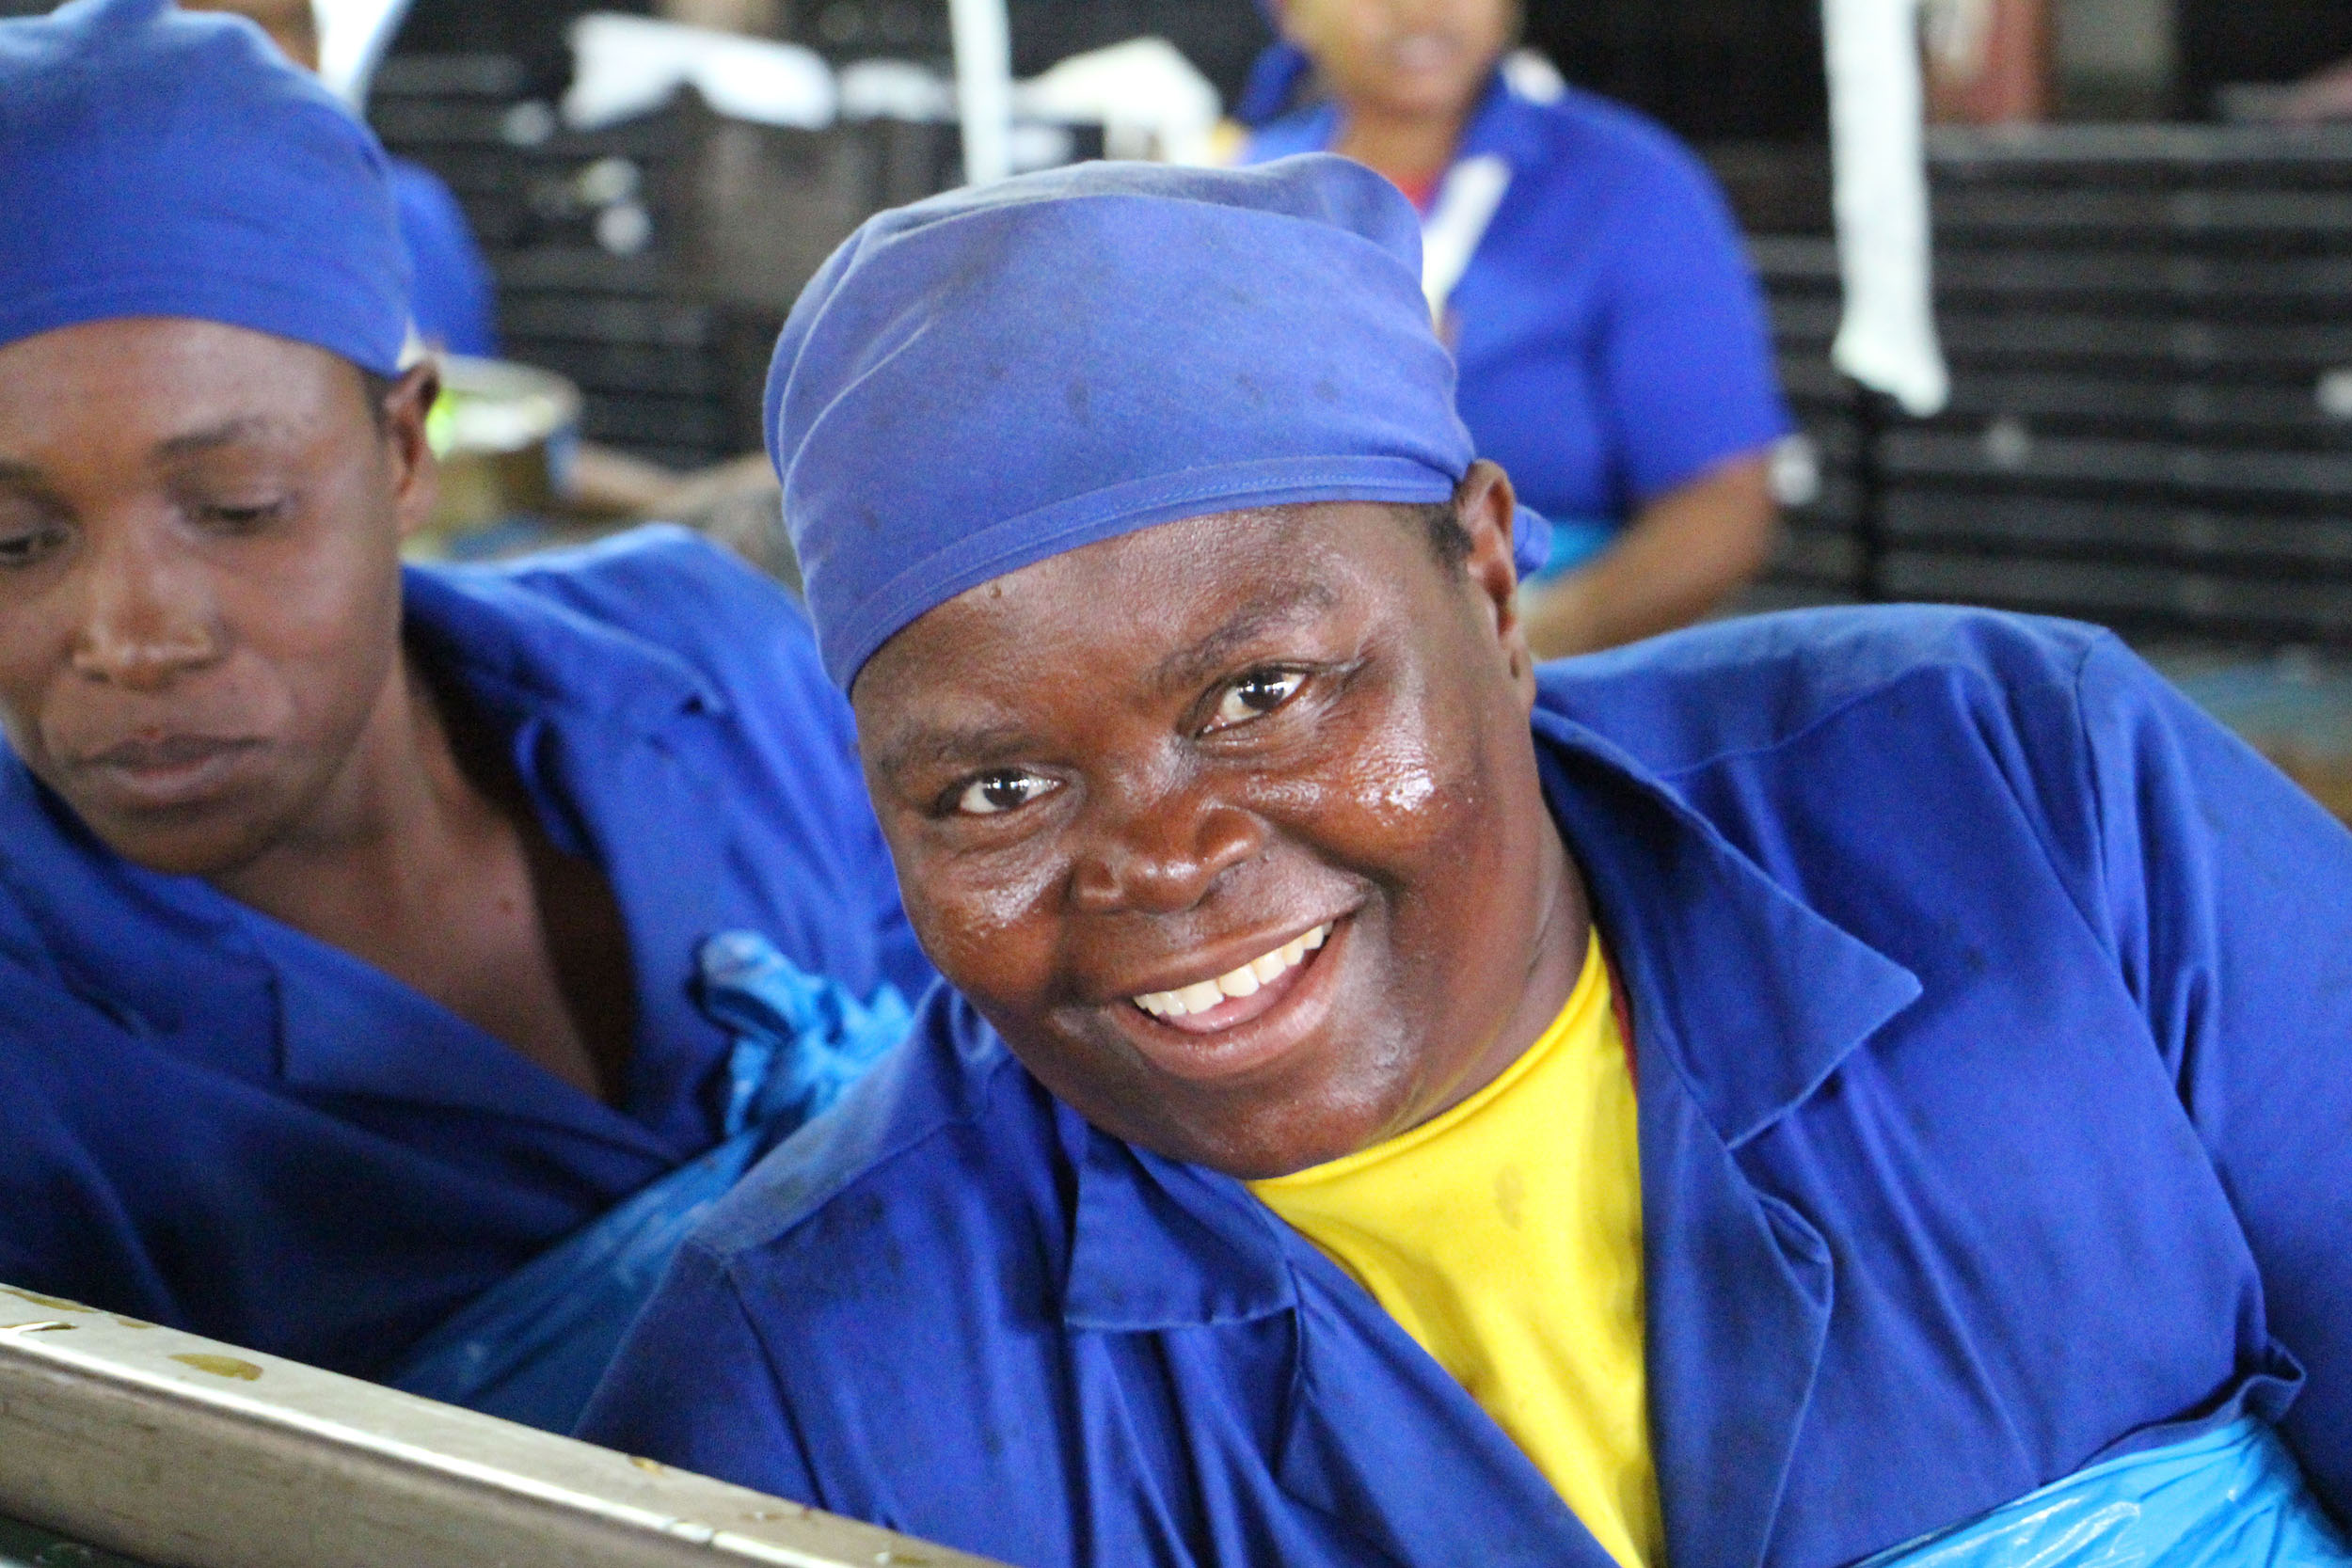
(918, 745)
(1281, 611)
(229, 433)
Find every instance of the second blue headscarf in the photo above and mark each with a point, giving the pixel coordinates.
(159, 164)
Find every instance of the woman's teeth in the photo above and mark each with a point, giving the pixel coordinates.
(1202, 995)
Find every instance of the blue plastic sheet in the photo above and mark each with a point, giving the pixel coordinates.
(532, 1348)
(2233, 1497)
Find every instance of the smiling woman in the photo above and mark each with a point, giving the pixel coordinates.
(1320, 733)
(1763, 1097)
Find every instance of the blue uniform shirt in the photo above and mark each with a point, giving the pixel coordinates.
(1610, 336)
(217, 1122)
(451, 296)
(1992, 1026)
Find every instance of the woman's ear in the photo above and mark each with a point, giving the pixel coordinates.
(1487, 508)
(416, 473)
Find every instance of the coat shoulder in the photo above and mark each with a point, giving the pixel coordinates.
(1752, 684)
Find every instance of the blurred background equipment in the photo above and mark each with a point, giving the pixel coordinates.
(2139, 275)
(504, 435)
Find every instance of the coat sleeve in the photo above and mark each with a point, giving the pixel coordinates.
(692, 1387)
(2229, 896)
(65, 1229)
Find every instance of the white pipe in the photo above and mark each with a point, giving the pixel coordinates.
(983, 39)
(1886, 338)
(354, 36)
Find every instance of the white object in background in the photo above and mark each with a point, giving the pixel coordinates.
(1533, 77)
(354, 36)
(1795, 474)
(1448, 236)
(983, 39)
(1886, 338)
(2334, 392)
(895, 89)
(625, 66)
(1150, 101)
(1959, 36)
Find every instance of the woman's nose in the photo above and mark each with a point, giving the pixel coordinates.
(1162, 855)
(149, 616)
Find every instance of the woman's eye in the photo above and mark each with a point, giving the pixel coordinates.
(24, 546)
(242, 515)
(1255, 694)
(993, 794)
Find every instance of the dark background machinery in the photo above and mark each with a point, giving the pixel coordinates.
(2152, 419)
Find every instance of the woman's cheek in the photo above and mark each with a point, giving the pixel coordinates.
(1412, 791)
(988, 922)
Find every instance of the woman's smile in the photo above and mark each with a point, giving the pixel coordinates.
(1235, 1035)
(1206, 1007)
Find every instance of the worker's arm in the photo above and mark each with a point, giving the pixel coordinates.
(2226, 895)
(1684, 554)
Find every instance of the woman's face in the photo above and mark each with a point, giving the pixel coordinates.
(199, 576)
(1411, 58)
(1232, 825)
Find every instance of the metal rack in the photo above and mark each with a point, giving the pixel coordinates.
(2151, 423)
(576, 234)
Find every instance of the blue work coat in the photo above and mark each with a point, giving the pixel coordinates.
(1994, 1023)
(1610, 335)
(217, 1122)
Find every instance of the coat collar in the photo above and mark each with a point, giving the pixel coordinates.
(524, 653)
(1158, 1244)
(1505, 123)
(1752, 996)
(577, 698)
(1743, 992)
(1744, 1002)
(115, 934)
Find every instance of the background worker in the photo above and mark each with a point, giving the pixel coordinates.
(352, 917)
(1762, 1097)
(1584, 269)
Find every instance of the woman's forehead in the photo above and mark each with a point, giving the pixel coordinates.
(178, 384)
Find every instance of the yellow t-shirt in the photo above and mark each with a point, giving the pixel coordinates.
(1505, 1236)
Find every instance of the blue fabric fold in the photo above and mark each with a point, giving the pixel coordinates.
(533, 1347)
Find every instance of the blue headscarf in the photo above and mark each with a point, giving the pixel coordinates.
(997, 375)
(156, 164)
